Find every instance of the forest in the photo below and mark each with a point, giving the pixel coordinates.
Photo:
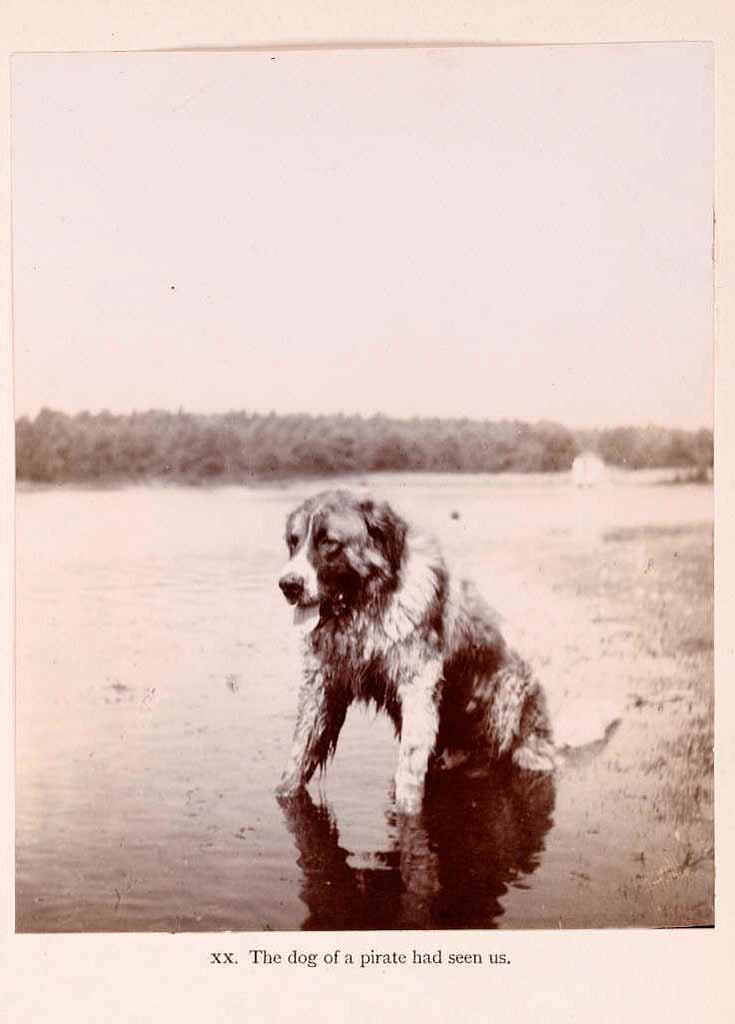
(238, 447)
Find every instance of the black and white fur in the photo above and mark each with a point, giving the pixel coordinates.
(394, 629)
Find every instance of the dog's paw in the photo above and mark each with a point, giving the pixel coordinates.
(288, 789)
(535, 756)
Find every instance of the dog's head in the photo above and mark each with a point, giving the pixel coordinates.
(343, 548)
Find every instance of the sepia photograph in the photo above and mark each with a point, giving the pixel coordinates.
(364, 489)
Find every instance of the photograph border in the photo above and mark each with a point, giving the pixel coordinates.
(139, 976)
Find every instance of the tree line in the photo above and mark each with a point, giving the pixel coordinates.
(240, 447)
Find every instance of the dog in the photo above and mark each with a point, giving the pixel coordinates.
(392, 627)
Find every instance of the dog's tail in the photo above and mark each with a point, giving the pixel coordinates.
(585, 752)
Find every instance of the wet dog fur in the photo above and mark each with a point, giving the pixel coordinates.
(394, 629)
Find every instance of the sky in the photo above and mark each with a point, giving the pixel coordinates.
(490, 232)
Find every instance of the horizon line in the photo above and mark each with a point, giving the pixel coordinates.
(182, 410)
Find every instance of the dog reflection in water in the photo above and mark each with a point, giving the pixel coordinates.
(448, 867)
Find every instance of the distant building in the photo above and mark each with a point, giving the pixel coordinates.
(588, 469)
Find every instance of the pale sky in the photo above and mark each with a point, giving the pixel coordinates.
(521, 232)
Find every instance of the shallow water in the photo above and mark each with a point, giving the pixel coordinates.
(157, 672)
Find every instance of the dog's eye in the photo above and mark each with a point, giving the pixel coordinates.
(329, 548)
(292, 540)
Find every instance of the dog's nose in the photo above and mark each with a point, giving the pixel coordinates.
(292, 587)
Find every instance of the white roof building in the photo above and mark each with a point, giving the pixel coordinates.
(588, 469)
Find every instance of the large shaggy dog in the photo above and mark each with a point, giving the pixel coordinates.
(394, 629)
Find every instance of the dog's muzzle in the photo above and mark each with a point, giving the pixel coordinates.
(292, 587)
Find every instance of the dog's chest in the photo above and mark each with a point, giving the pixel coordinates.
(361, 658)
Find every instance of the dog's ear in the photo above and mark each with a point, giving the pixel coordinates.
(387, 531)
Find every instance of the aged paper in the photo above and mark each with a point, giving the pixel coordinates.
(561, 972)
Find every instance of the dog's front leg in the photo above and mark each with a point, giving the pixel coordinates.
(321, 713)
(418, 698)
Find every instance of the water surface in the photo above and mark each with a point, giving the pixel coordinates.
(157, 672)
